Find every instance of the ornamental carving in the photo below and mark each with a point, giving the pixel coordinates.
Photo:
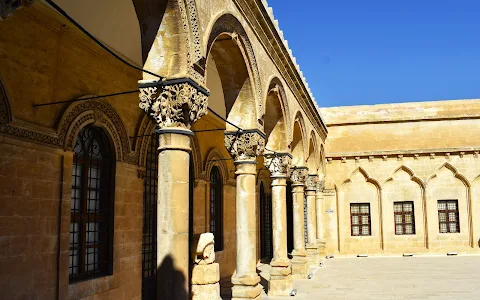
(245, 144)
(278, 163)
(320, 185)
(311, 182)
(298, 174)
(173, 105)
(8, 7)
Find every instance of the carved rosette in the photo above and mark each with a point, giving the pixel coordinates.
(311, 182)
(278, 163)
(298, 174)
(245, 144)
(8, 7)
(173, 103)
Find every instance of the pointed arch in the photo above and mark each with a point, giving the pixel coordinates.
(229, 46)
(365, 175)
(323, 161)
(410, 172)
(454, 171)
(313, 157)
(299, 141)
(215, 158)
(277, 117)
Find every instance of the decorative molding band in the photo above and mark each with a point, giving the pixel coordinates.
(399, 154)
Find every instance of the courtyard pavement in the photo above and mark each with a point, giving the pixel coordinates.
(384, 278)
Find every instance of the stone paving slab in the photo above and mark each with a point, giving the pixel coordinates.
(393, 278)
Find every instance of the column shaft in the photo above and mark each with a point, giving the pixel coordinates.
(320, 221)
(299, 261)
(312, 247)
(245, 281)
(172, 212)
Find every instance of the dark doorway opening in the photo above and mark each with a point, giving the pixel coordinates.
(266, 246)
(289, 217)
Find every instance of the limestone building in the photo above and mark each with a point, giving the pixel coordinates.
(199, 120)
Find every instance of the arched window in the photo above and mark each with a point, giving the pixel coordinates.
(216, 207)
(91, 220)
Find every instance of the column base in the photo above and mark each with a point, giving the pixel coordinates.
(206, 292)
(313, 255)
(246, 287)
(322, 249)
(280, 283)
(299, 264)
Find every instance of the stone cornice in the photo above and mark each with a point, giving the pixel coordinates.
(406, 120)
(264, 28)
(400, 154)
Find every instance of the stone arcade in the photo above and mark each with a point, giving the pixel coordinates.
(179, 186)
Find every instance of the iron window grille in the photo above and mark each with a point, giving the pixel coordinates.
(360, 219)
(404, 218)
(216, 207)
(149, 238)
(448, 216)
(91, 217)
(265, 223)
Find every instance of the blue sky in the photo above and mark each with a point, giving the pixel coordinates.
(355, 52)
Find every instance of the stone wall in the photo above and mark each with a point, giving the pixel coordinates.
(420, 152)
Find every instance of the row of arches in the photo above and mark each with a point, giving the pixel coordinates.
(425, 198)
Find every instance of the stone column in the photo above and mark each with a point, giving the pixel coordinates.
(320, 219)
(312, 247)
(280, 283)
(174, 105)
(245, 146)
(299, 261)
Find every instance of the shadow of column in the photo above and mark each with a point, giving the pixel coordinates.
(170, 282)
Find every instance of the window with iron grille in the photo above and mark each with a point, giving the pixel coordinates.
(448, 218)
(360, 219)
(404, 217)
(91, 221)
(266, 248)
(149, 239)
(216, 207)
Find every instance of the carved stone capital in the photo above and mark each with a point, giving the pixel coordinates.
(298, 174)
(311, 182)
(8, 7)
(245, 144)
(173, 103)
(320, 186)
(278, 163)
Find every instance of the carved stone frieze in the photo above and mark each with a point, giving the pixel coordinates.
(311, 182)
(278, 163)
(8, 7)
(245, 144)
(298, 174)
(173, 103)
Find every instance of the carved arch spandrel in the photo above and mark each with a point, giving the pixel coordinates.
(230, 25)
(452, 169)
(177, 49)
